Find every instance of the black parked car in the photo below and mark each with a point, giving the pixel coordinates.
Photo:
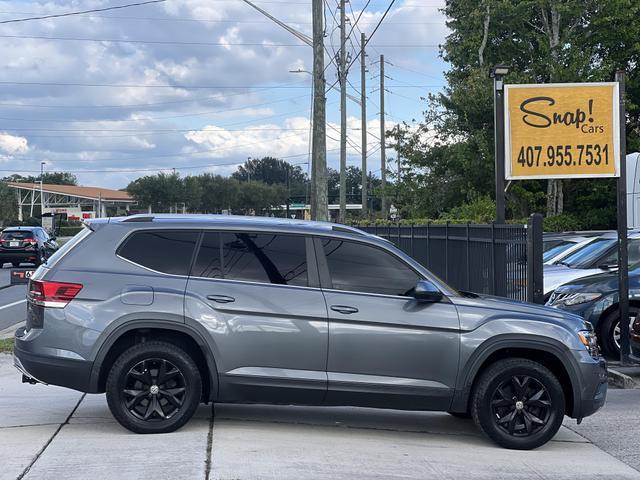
(596, 298)
(26, 244)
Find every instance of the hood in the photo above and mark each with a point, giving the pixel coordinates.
(516, 308)
(555, 277)
(604, 283)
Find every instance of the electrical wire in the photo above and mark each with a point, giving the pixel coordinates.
(93, 10)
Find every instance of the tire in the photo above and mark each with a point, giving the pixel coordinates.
(138, 398)
(607, 332)
(462, 415)
(503, 407)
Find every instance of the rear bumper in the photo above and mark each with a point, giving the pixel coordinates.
(23, 255)
(51, 369)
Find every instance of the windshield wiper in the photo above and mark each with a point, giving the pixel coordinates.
(564, 263)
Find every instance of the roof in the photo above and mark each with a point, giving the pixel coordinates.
(233, 220)
(13, 229)
(92, 193)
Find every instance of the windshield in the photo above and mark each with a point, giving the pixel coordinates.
(585, 256)
(556, 250)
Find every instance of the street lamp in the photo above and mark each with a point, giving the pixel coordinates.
(333, 87)
(42, 164)
(497, 72)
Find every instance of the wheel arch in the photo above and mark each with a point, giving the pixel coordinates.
(137, 331)
(546, 351)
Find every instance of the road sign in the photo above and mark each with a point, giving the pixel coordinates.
(20, 276)
(562, 130)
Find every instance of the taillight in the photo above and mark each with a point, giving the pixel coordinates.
(52, 294)
(32, 241)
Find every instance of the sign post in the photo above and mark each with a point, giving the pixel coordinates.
(623, 254)
(572, 130)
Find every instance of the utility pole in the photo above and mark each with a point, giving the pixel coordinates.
(342, 75)
(319, 204)
(363, 119)
(383, 155)
(399, 164)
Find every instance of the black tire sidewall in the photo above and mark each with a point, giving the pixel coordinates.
(134, 355)
(492, 378)
(607, 342)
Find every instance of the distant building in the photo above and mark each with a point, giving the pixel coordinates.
(69, 201)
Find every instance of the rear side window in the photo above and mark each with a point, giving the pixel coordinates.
(358, 267)
(53, 259)
(253, 257)
(167, 251)
(16, 235)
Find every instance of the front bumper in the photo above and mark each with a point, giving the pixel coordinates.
(50, 369)
(593, 388)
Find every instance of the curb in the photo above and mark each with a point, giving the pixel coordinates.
(620, 380)
(8, 332)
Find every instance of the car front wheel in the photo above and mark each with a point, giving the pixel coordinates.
(518, 403)
(610, 332)
(153, 387)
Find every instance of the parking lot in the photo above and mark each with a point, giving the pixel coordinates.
(49, 433)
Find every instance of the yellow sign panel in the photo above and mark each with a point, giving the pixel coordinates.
(567, 130)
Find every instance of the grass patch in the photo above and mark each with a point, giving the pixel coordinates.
(6, 345)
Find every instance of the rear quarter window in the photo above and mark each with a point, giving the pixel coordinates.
(166, 251)
(62, 251)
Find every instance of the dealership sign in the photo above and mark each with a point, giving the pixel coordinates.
(567, 130)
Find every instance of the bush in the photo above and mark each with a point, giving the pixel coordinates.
(561, 223)
(69, 231)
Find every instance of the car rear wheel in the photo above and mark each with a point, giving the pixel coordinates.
(153, 387)
(610, 332)
(518, 403)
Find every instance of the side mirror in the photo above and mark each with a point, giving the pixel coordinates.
(52, 238)
(425, 291)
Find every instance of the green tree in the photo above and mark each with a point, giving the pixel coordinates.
(451, 151)
(52, 178)
(273, 171)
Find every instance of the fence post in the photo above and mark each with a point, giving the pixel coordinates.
(535, 282)
(411, 242)
(494, 280)
(468, 259)
(446, 252)
(399, 236)
(428, 255)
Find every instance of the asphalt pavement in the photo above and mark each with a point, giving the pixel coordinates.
(12, 300)
(51, 433)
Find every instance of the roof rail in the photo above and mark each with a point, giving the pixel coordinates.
(338, 228)
(139, 219)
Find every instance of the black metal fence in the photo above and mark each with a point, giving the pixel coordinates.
(504, 260)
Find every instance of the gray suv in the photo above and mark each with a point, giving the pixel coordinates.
(164, 312)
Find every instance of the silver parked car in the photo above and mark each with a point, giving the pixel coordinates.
(164, 312)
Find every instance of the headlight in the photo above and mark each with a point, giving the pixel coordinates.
(590, 342)
(578, 298)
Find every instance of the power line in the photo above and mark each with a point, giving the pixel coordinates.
(125, 85)
(94, 10)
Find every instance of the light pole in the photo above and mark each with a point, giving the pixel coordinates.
(42, 164)
(248, 169)
(497, 72)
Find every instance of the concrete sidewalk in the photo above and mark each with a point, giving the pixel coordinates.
(54, 433)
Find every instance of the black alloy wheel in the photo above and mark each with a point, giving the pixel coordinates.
(518, 403)
(154, 389)
(521, 405)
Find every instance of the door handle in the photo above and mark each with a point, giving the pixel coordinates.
(221, 298)
(344, 309)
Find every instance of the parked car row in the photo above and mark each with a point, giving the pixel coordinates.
(26, 245)
(583, 279)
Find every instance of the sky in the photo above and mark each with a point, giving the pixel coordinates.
(197, 85)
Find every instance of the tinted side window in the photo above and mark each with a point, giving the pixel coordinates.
(362, 268)
(208, 264)
(265, 257)
(167, 251)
